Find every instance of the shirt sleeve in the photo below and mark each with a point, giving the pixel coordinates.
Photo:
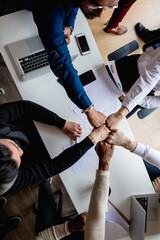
(95, 223)
(39, 171)
(50, 27)
(19, 110)
(70, 20)
(144, 84)
(54, 233)
(148, 154)
(150, 102)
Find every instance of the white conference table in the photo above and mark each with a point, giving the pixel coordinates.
(128, 175)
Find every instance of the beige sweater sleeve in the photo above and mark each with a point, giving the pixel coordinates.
(54, 233)
(95, 223)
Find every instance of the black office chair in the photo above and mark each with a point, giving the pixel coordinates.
(123, 52)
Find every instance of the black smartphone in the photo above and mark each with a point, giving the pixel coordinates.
(87, 77)
(82, 44)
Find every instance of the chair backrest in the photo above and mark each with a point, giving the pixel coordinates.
(123, 51)
(155, 43)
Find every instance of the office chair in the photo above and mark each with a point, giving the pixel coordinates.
(123, 52)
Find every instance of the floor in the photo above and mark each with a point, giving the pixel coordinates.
(146, 131)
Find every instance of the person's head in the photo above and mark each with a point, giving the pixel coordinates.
(95, 8)
(10, 160)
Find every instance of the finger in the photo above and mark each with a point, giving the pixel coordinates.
(154, 185)
(79, 131)
(112, 146)
(78, 126)
(84, 214)
(158, 179)
(96, 147)
(77, 135)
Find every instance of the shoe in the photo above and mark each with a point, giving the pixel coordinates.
(11, 224)
(142, 32)
(120, 30)
(3, 202)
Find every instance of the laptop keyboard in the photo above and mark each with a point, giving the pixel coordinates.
(143, 201)
(34, 61)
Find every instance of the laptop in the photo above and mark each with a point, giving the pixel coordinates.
(29, 57)
(144, 215)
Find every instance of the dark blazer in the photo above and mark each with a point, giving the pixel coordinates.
(36, 163)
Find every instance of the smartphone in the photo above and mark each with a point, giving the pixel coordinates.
(82, 44)
(87, 77)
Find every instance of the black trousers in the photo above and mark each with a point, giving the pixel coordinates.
(128, 71)
(47, 214)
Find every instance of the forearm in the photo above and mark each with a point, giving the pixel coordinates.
(38, 172)
(150, 102)
(70, 20)
(130, 144)
(122, 112)
(95, 223)
(55, 232)
(149, 154)
(69, 77)
(71, 155)
(33, 111)
(144, 84)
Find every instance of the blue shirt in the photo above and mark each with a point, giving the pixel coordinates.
(51, 16)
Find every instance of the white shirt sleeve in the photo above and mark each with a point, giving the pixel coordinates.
(148, 154)
(95, 223)
(150, 102)
(147, 80)
(54, 233)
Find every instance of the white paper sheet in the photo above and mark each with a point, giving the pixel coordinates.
(113, 216)
(114, 231)
(115, 225)
(102, 93)
(112, 67)
(84, 162)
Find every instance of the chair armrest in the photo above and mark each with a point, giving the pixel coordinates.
(155, 43)
(123, 51)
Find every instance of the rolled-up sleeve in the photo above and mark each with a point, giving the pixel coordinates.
(148, 154)
(50, 21)
(70, 20)
(144, 84)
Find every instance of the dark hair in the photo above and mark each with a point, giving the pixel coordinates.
(8, 167)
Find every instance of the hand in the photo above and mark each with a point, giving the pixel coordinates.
(78, 224)
(99, 134)
(118, 138)
(121, 98)
(156, 184)
(67, 33)
(95, 118)
(114, 119)
(105, 153)
(72, 129)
